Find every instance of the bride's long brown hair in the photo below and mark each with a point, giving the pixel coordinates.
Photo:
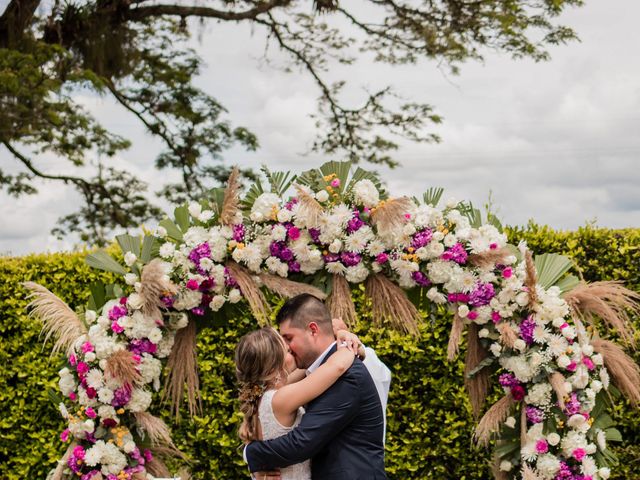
(260, 360)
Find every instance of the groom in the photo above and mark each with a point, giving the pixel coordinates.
(342, 429)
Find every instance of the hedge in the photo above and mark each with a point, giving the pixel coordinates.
(429, 419)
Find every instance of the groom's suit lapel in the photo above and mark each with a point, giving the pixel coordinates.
(329, 353)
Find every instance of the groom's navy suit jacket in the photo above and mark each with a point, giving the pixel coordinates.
(341, 432)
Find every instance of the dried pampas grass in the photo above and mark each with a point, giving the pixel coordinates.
(58, 473)
(497, 473)
(157, 467)
(478, 386)
(250, 291)
(508, 335)
(231, 198)
(490, 422)
(390, 303)
(457, 327)
(557, 381)
(154, 283)
(309, 207)
(157, 431)
(531, 279)
(624, 371)
(390, 215)
(58, 319)
(183, 369)
(340, 303)
(288, 288)
(490, 258)
(611, 301)
(529, 474)
(122, 367)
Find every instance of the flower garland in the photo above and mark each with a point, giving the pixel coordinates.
(338, 227)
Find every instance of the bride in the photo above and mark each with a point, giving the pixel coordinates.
(271, 398)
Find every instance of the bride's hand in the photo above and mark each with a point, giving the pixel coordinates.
(350, 340)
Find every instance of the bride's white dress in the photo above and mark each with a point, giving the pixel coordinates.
(271, 428)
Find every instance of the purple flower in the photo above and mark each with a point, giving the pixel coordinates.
(314, 233)
(167, 301)
(331, 257)
(421, 279)
(207, 284)
(229, 281)
(286, 254)
(142, 345)
(198, 253)
(421, 238)
(198, 311)
(457, 297)
(573, 406)
(457, 254)
(534, 415)
(481, 294)
(289, 205)
(294, 267)
(275, 248)
(121, 396)
(527, 326)
(238, 232)
(350, 259)
(355, 223)
(508, 380)
(116, 312)
(382, 258)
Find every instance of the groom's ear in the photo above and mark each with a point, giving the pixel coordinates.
(315, 329)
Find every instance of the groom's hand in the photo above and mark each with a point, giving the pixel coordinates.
(274, 475)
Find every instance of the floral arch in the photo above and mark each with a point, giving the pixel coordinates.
(525, 317)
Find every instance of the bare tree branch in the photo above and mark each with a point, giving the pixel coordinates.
(141, 13)
(15, 19)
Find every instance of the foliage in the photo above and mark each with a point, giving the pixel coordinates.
(429, 419)
(138, 55)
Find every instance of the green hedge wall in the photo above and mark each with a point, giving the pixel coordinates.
(429, 420)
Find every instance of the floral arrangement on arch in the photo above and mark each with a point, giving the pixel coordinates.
(526, 318)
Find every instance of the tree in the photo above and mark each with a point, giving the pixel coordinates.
(135, 51)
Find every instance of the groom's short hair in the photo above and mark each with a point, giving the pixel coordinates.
(303, 309)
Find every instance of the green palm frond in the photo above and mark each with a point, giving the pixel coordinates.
(129, 243)
(432, 196)
(103, 261)
(551, 267)
(279, 181)
(252, 194)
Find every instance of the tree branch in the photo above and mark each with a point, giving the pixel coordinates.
(15, 19)
(141, 13)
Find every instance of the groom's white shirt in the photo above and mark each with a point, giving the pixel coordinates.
(314, 366)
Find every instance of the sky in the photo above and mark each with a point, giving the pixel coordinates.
(556, 142)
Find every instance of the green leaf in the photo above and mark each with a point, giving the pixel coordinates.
(603, 422)
(568, 283)
(98, 296)
(279, 181)
(54, 397)
(172, 229)
(129, 243)
(433, 196)
(181, 215)
(148, 244)
(254, 192)
(340, 169)
(551, 267)
(613, 435)
(484, 363)
(103, 261)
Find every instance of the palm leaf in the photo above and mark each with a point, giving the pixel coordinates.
(340, 169)
(98, 296)
(103, 261)
(279, 181)
(433, 196)
(551, 267)
(148, 244)
(129, 243)
(568, 283)
(181, 214)
(313, 179)
(252, 194)
(172, 229)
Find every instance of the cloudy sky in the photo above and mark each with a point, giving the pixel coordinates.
(556, 142)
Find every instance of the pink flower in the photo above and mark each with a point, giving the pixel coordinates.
(78, 452)
(115, 326)
(579, 454)
(73, 360)
(64, 436)
(542, 446)
(123, 300)
(564, 325)
(572, 367)
(407, 216)
(192, 284)
(588, 363)
(294, 233)
(493, 246)
(91, 413)
(335, 183)
(382, 258)
(472, 315)
(82, 368)
(91, 392)
(73, 396)
(507, 272)
(87, 347)
(495, 316)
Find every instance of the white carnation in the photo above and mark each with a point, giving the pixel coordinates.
(365, 193)
(234, 295)
(130, 258)
(548, 465)
(216, 302)
(167, 250)
(322, 196)
(266, 205)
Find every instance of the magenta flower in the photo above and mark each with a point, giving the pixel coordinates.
(117, 311)
(82, 368)
(421, 238)
(588, 363)
(87, 347)
(294, 233)
(350, 259)
(572, 367)
(457, 254)
(507, 272)
(73, 361)
(518, 393)
(579, 454)
(382, 258)
(192, 284)
(91, 413)
(335, 183)
(91, 392)
(238, 233)
(495, 317)
(527, 326)
(73, 396)
(542, 446)
(458, 297)
(354, 224)
(534, 415)
(421, 279)
(481, 294)
(472, 315)
(116, 328)
(64, 436)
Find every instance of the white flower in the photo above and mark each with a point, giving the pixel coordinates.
(506, 466)
(205, 216)
(335, 267)
(484, 333)
(357, 273)
(597, 359)
(572, 440)
(89, 357)
(539, 394)
(322, 196)
(435, 296)
(94, 378)
(234, 295)
(155, 335)
(604, 378)
(495, 348)
(90, 316)
(135, 301)
(195, 236)
(520, 345)
(140, 400)
(563, 361)
(130, 258)
(604, 472)
(576, 421)
(451, 202)
(266, 205)
(284, 215)
(216, 303)
(335, 246)
(596, 385)
(510, 422)
(365, 193)
(548, 465)
(105, 395)
(553, 439)
(187, 299)
(195, 209)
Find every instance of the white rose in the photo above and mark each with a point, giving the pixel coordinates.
(519, 344)
(322, 196)
(484, 333)
(587, 350)
(495, 349)
(335, 246)
(463, 311)
(89, 357)
(510, 422)
(135, 301)
(284, 215)
(553, 439)
(130, 258)
(90, 316)
(563, 361)
(604, 472)
(506, 466)
(234, 295)
(195, 209)
(130, 278)
(216, 303)
(205, 216)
